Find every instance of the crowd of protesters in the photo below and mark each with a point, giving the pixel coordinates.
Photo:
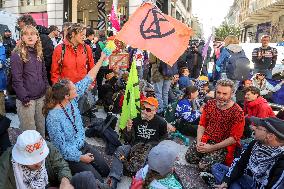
(238, 141)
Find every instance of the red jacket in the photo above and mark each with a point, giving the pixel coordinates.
(75, 66)
(258, 108)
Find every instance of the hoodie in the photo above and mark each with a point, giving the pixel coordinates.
(225, 55)
(258, 108)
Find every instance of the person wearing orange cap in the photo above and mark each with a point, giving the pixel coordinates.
(149, 128)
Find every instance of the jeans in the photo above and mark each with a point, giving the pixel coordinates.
(162, 93)
(267, 72)
(244, 182)
(116, 170)
(98, 167)
(140, 72)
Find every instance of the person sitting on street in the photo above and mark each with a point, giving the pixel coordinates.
(220, 129)
(255, 105)
(159, 172)
(184, 80)
(149, 128)
(266, 89)
(240, 93)
(65, 127)
(261, 165)
(33, 163)
(175, 93)
(205, 92)
(188, 111)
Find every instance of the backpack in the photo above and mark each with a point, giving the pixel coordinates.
(167, 70)
(238, 66)
(63, 50)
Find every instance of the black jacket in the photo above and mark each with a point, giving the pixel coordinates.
(275, 176)
(48, 48)
(9, 45)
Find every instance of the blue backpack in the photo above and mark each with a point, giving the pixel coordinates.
(238, 66)
(167, 70)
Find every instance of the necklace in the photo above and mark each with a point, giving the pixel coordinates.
(68, 117)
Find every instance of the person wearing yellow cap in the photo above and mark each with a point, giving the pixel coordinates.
(149, 129)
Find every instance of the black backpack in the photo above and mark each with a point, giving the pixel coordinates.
(238, 66)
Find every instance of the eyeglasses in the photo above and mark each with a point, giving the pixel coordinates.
(147, 109)
(261, 74)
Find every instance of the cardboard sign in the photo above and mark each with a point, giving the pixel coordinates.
(121, 59)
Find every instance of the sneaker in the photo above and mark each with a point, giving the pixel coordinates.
(208, 178)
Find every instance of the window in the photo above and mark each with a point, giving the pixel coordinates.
(1, 3)
(32, 2)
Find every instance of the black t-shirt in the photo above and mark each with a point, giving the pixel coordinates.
(149, 131)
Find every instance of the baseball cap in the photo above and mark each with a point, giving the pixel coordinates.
(272, 124)
(152, 101)
(161, 158)
(30, 148)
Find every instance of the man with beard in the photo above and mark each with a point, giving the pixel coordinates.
(148, 128)
(8, 42)
(220, 129)
(261, 165)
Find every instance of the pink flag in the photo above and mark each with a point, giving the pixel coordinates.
(114, 19)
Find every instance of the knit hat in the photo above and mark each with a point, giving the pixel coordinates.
(30, 148)
(161, 158)
(272, 124)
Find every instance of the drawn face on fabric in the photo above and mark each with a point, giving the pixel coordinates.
(148, 111)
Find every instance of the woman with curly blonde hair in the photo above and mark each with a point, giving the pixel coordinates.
(29, 80)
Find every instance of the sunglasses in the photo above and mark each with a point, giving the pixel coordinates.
(261, 74)
(147, 109)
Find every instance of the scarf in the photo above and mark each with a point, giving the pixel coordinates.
(261, 162)
(29, 179)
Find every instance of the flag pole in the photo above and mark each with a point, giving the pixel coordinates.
(204, 53)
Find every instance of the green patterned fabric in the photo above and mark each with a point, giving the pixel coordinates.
(170, 182)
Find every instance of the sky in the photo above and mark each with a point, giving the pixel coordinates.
(210, 13)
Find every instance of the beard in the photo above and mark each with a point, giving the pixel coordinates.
(222, 104)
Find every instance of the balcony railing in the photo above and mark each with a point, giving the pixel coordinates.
(255, 5)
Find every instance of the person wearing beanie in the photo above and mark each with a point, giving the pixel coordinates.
(261, 165)
(33, 163)
(158, 173)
